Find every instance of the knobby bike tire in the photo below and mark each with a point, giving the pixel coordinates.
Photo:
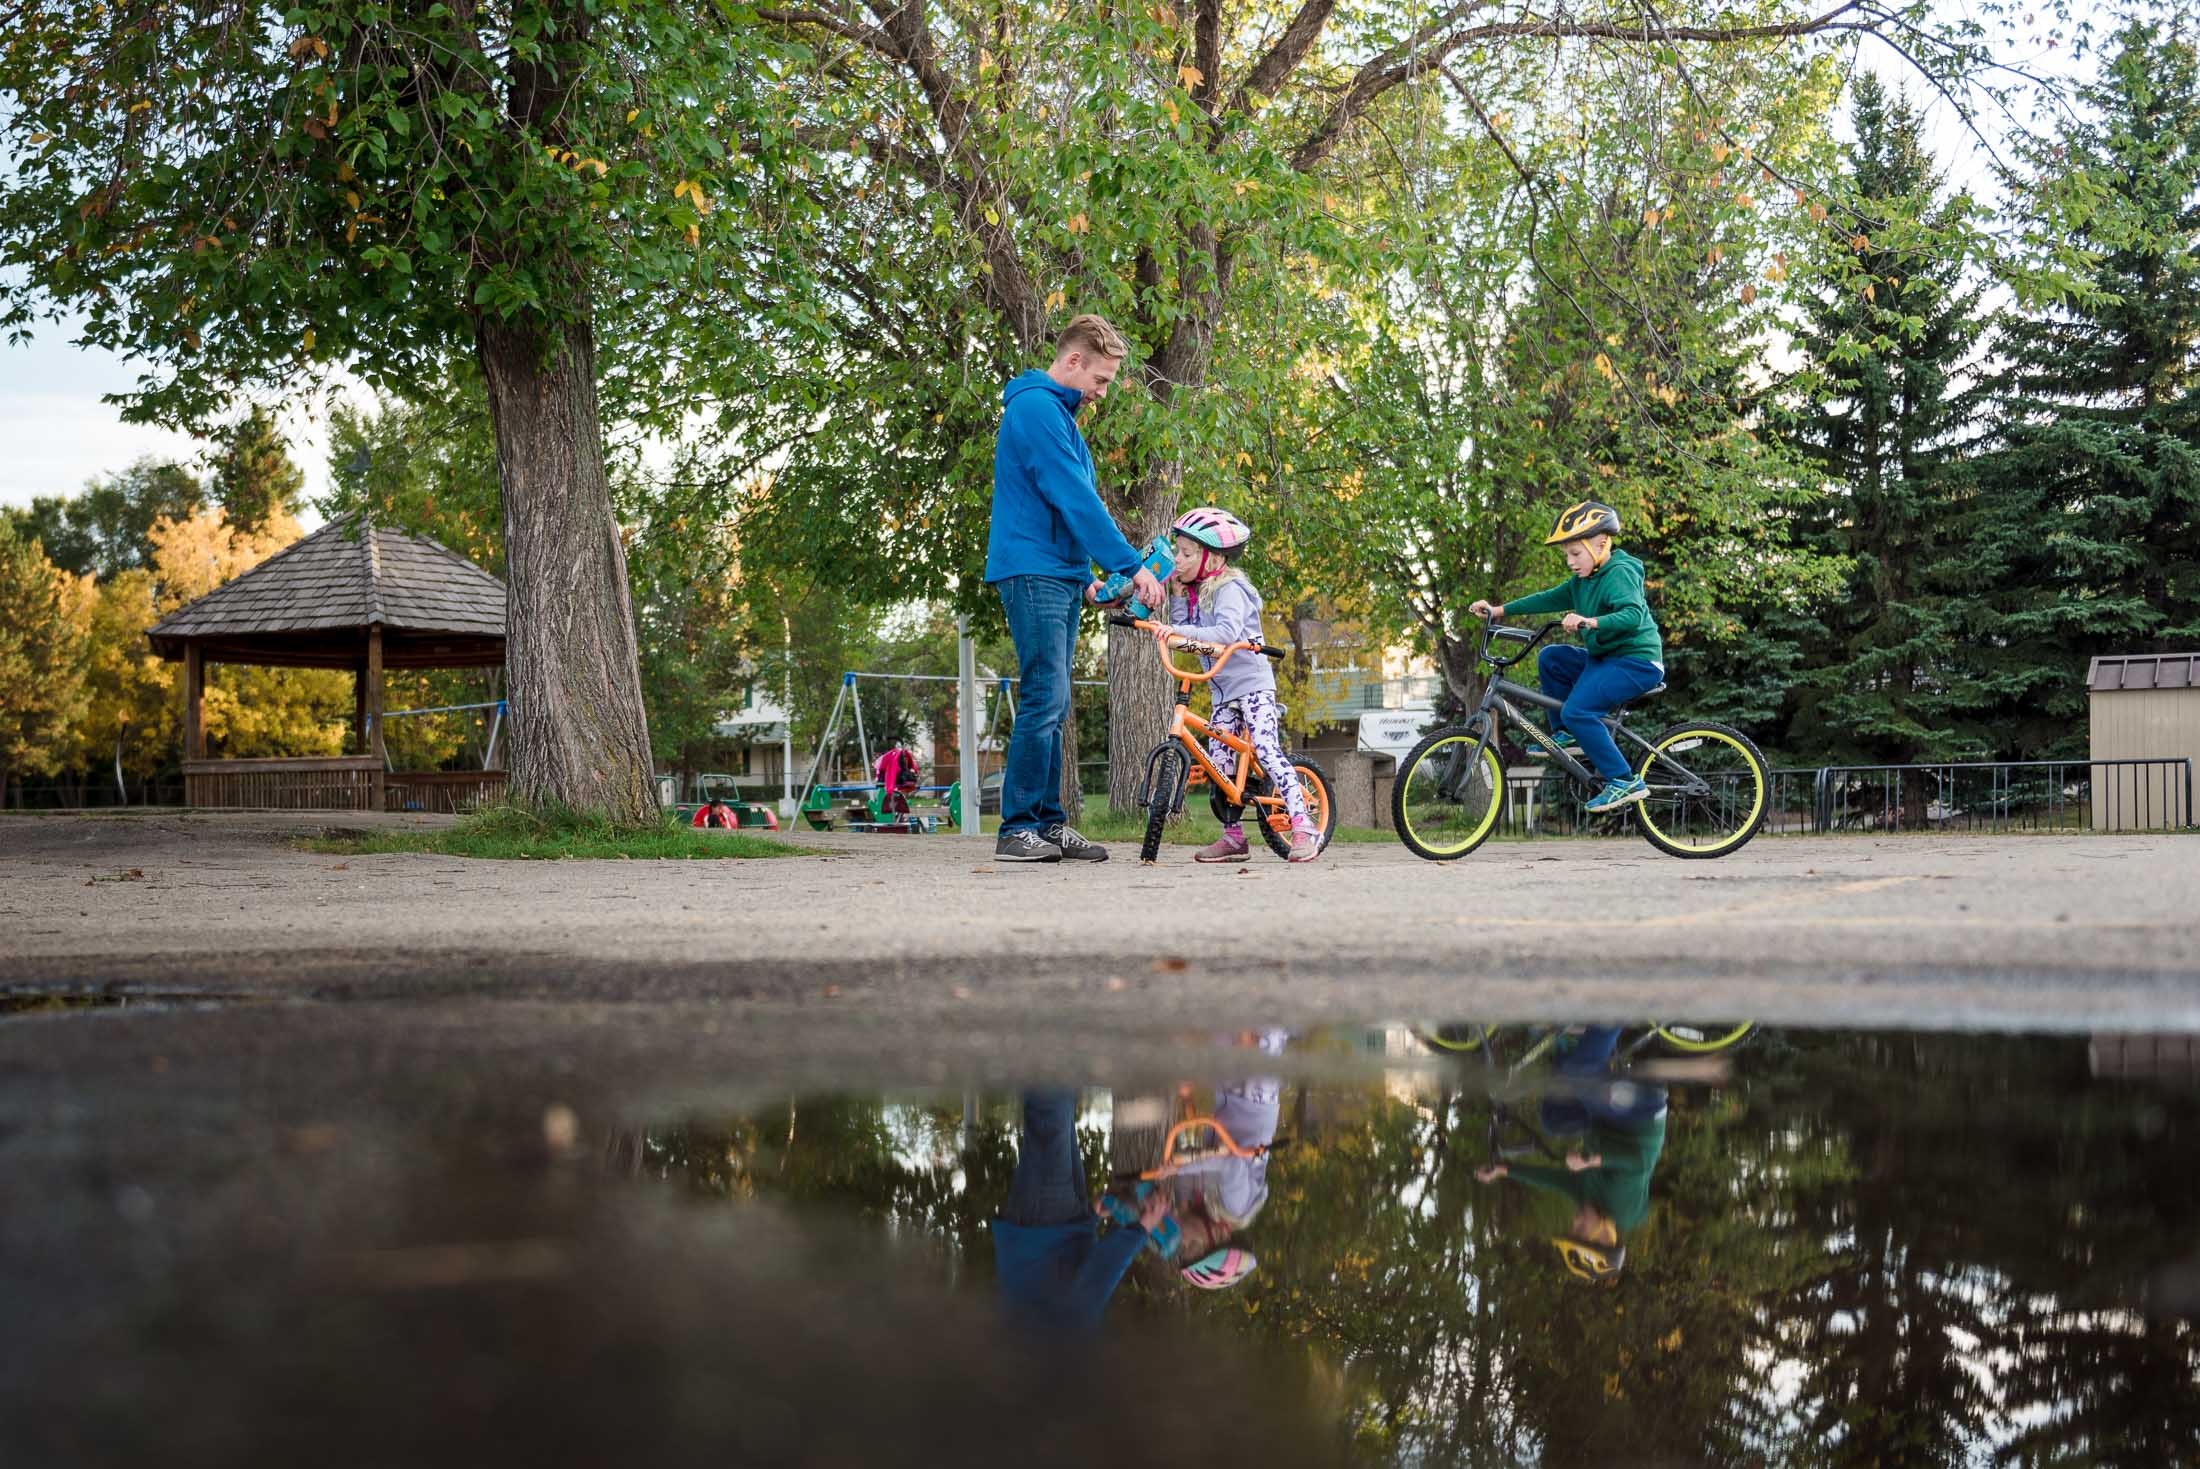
(1168, 775)
(1414, 789)
(1740, 807)
(1320, 804)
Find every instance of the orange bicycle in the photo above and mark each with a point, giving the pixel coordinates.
(1172, 764)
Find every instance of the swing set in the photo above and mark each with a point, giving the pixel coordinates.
(862, 805)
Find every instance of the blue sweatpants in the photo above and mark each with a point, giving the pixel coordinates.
(1592, 688)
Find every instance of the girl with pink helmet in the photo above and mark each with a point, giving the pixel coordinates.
(1211, 600)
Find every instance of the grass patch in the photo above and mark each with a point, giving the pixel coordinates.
(512, 833)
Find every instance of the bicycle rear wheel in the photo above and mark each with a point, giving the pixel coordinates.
(1275, 826)
(1168, 776)
(1446, 802)
(1707, 790)
(1454, 1037)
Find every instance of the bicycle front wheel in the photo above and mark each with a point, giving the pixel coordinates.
(1168, 777)
(1701, 1040)
(1446, 801)
(1707, 790)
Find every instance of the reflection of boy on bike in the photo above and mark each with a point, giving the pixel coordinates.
(1056, 1269)
(1621, 1128)
(1621, 654)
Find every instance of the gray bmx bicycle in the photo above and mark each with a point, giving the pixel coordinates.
(1707, 782)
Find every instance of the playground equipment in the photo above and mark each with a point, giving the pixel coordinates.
(746, 813)
(861, 805)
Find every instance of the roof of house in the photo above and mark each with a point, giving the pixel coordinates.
(311, 603)
(2134, 671)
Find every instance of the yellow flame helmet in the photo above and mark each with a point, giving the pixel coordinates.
(1596, 1264)
(1589, 518)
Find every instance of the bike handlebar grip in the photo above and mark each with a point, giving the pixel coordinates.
(1276, 653)
(1122, 619)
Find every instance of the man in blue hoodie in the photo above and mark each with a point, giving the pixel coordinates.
(1056, 1270)
(1049, 529)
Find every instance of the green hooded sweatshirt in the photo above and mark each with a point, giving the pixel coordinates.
(1612, 594)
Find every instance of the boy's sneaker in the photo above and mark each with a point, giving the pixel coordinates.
(1224, 848)
(1617, 793)
(1563, 738)
(1025, 846)
(1074, 847)
(1306, 844)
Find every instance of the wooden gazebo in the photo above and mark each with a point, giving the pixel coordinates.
(348, 596)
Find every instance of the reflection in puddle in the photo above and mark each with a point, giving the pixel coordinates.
(1811, 1248)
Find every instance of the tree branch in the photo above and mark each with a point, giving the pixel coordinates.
(1283, 57)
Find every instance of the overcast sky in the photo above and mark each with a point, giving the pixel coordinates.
(57, 433)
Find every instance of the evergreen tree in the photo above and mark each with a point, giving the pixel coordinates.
(2085, 535)
(1886, 416)
(254, 479)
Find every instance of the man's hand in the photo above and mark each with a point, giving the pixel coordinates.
(1575, 622)
(1480, 608)
(1147, 588)
(1152, 1209)
(1093, 590)
(1489, 1173)
(1575, 1163)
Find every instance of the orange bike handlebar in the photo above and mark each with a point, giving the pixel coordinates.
(1230, 1145)
(1164, 635)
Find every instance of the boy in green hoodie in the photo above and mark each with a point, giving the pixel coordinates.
(1621, 654)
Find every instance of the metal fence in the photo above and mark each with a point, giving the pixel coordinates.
(1963, 796)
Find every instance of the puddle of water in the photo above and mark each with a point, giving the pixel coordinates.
(19, 1004)
(1807, 1248)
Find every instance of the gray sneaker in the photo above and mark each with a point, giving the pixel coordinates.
(1025, 846)
(1074, 847)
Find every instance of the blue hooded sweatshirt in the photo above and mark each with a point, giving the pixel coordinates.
(1047, 515)
(1059, 1276)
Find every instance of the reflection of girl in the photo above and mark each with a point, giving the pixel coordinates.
(1231, 1189)
(1620, 1127)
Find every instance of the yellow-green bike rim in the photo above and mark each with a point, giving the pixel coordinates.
(1745, 829)
(1451, 843)
(1464, 1044)
(1705, 1041)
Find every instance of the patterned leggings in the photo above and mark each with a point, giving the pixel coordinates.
(1259, 713)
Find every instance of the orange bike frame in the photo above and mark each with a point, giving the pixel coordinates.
(1186, 724)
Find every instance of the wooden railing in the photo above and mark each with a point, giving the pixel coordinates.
(449, 791)
(315, 783)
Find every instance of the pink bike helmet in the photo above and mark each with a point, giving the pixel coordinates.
(1217, 530)
(1220, 1270)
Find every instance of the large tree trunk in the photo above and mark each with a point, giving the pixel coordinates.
(577, 734)
(1140, 695)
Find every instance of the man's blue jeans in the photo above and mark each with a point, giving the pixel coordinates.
(1042, 619)
(1594, 1095)
(1591, 689)
(1048, 1186)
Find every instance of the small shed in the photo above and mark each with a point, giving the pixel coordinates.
(2145, 707)
(350, 596)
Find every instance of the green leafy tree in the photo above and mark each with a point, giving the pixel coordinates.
(426, 465)
(2084, 520)
(1886, 410)
(43, 610)
(107, 528)
(254, 479)
(980, 173)
(243, 199)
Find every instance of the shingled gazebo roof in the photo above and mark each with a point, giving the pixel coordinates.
(310, 606)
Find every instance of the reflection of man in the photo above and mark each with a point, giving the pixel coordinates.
(1056, 1269)
(1620, 1125)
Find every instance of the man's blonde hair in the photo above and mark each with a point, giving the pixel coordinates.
(1091, 334)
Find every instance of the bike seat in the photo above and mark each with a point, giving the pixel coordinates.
(1646, 693)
